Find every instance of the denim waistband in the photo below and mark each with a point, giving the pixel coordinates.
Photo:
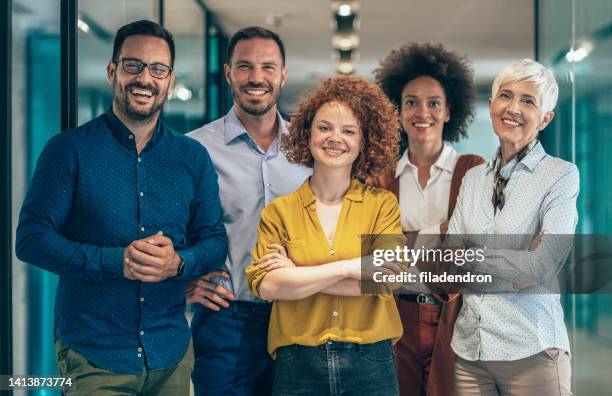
(327, 345)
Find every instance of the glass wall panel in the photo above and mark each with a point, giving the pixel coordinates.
(186, 108)
(36, 117)
(98, 22)
(576, 41)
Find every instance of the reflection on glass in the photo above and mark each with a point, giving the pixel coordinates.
(582, 132)
(186, 107)
(35, 119)
(97, 24)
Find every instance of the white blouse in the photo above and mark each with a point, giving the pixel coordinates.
(424, 209)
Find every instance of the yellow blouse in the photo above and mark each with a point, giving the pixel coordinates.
(292, 221)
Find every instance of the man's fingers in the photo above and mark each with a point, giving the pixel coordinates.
(207, 303)
(145, 278)
(218, 289)
(143, 258)
(143, 269)
(215, 298)
(159, 239)
(148, 248)
(218, 300)
(206, 285)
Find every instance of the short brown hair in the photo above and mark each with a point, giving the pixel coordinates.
(376, 115)
(142, 28)
(253, 32)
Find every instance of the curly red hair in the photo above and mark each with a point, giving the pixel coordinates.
(375, 113)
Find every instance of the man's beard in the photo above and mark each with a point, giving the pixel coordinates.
(253, 109)
(122, 101)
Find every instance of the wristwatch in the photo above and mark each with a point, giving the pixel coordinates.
(181, 268)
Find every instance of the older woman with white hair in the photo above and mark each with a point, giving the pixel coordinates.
(517, 343)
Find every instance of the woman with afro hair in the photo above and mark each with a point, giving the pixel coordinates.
(325, 334)
(434, 91)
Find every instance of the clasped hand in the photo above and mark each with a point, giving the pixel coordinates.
(151, 259)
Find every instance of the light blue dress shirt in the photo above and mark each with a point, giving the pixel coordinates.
(540, 196)
(249, 179)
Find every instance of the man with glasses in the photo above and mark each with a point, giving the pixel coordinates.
(230, 325)
(125, 211)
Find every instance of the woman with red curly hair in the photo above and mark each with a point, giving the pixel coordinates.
(326, 336)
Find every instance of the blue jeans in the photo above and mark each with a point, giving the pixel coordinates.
(336, 368)
(230, 350)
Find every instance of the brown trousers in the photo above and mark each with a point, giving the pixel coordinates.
(414, 350)
(547, 373)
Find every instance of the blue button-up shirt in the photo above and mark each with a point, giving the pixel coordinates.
(92, 194)
(249, 179)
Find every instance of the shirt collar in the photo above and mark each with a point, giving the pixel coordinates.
(445, 161)
(234, 128)
(533, 158)
(354, 192)
(530, 162)
(122, 133)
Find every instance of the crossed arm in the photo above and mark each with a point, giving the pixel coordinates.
(273, 276)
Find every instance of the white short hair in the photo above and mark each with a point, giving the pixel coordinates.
(530, 71)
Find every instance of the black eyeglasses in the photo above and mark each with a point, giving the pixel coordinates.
(134, 66)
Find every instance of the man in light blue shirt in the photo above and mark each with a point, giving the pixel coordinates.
(230, 325)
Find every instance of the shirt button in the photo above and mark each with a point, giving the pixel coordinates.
(141, 299)
(141, 332)
(139, 349)
(142, 229)
(332, 252)
(139, 159)
(140, 355)
(335, 313)
(141, 194)
(130, 136)
(268, 185)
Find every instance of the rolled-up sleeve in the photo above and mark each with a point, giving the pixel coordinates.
(269, 230)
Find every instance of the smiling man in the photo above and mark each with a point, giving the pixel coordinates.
(230, 325)
(125, 211)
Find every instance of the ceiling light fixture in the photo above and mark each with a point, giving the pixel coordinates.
(346, 68)
(578, 54)
(344, 42)
(84, 27)
(183, 93)
(344, 10)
